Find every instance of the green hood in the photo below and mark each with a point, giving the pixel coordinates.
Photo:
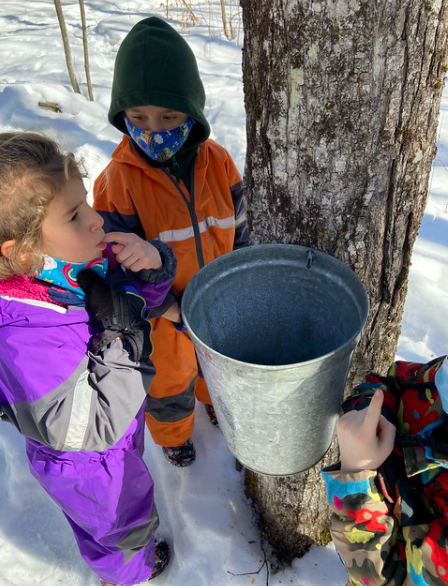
(155, 66)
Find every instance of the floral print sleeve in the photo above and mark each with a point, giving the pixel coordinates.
(390, 526)
(363, 528)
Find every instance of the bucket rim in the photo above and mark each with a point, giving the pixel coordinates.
(292, 365)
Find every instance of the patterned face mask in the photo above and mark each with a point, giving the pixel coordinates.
(65, 274)
(162, 145)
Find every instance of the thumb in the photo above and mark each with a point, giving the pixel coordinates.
(373, 413)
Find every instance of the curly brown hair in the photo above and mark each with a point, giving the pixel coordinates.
(33, 170)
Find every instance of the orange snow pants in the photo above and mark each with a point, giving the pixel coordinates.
(171, 401)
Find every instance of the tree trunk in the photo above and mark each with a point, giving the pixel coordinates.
(65, 41)
(86, 50)
(342, 100)
(224, 19)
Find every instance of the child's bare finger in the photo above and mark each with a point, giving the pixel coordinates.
(137, 266)
(124, 255)
(373, 412)
(117, 248)
(350, 424)
(386, 437)
(386, 428)
(131, 260)
(120, 237)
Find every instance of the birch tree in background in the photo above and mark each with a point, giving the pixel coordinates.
(342, 100)
(224, 19)
(66, 43)
(86, 49)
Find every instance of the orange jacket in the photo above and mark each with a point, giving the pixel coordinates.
(199, 225)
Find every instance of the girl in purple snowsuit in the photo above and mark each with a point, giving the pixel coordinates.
(74, 355)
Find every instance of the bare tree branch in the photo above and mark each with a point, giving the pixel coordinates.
(86, 50)
(194, 18)
(65, 41)
(224, 19)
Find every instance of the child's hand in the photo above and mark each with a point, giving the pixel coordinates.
(365, 437)
(133, 252)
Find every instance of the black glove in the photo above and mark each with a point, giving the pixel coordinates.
(118, 306)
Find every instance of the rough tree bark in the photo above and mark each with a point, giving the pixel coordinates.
(342, 100)
(66, 43)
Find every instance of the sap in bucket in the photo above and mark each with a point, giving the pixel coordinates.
(274, 327)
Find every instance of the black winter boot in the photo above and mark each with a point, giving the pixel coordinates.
(181, 456)
(210, 410)
(162, 560)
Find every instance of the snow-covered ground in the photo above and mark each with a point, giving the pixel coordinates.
(204, 512)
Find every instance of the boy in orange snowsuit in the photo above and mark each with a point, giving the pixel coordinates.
(167, 180)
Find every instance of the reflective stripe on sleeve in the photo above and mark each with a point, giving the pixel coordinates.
(186, 233)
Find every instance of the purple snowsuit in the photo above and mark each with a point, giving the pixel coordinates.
(83, 419)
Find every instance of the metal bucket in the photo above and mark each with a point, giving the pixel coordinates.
(274, 327)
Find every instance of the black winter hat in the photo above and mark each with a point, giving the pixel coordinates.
(155, 66)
